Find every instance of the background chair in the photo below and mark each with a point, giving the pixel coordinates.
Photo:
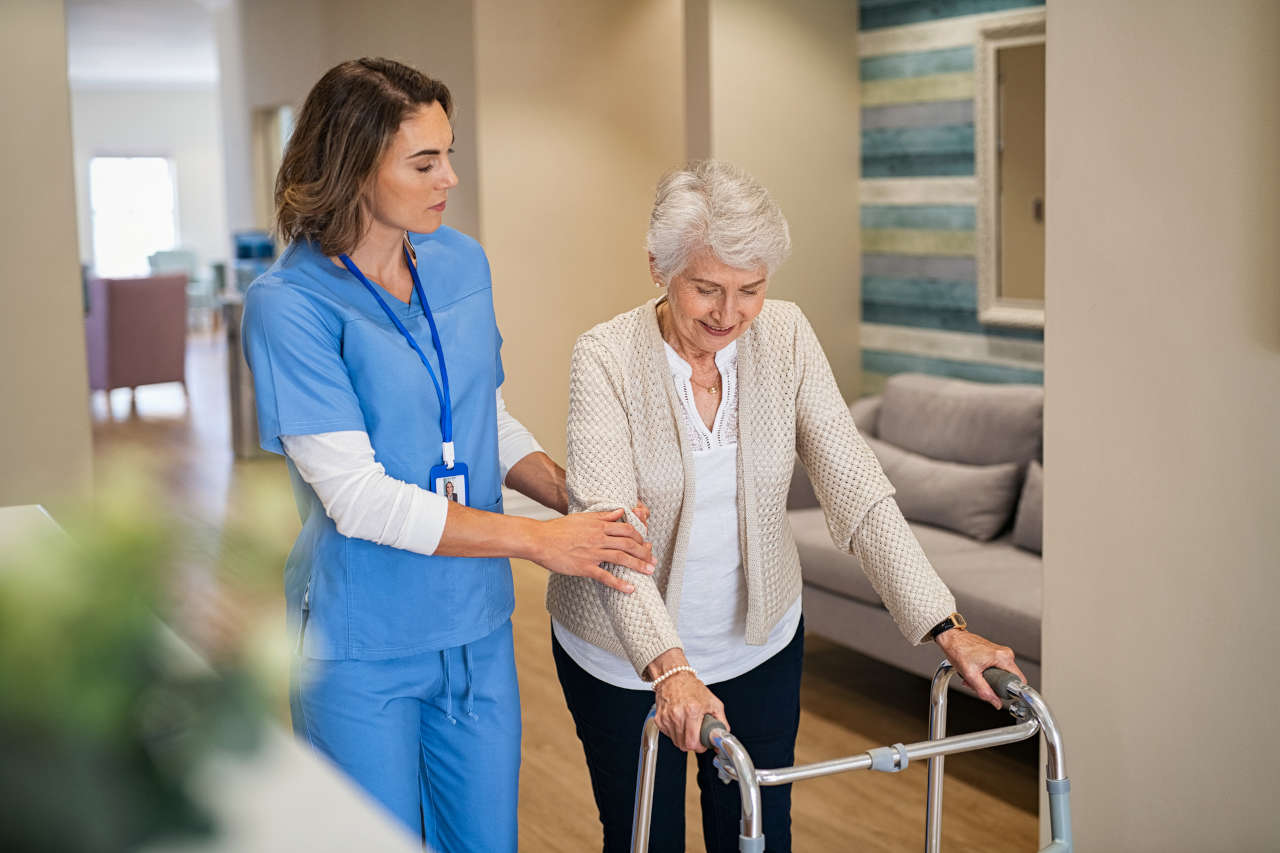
(202, 287)
(136, 331)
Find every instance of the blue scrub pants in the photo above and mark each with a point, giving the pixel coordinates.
(434, 737)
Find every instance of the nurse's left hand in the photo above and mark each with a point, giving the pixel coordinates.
(577, 544)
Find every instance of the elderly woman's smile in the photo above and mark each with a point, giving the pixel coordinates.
(710, 304)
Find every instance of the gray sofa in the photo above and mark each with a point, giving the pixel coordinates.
(965, 459)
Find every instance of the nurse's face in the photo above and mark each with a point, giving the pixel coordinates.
(412, 183)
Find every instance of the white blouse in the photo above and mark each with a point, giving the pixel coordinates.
(713, 601)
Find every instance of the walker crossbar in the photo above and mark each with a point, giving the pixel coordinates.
(734, 763)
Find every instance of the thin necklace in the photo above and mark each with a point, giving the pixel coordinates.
(711, 389)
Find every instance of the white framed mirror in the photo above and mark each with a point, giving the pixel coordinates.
(1009, 153)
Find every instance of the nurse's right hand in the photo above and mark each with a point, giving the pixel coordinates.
(578, 543)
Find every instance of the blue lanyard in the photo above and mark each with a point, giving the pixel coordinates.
(442, 393)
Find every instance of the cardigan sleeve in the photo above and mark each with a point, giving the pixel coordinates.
(857, 498)
(601, 476)
(896, 565)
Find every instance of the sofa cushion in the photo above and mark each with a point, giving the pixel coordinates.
(801, 495)
(1028, 525)
(866, 411)
(997, 586)
(998, 589)
(976, 500)
(970, 422)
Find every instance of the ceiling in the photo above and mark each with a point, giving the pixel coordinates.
(143, 44)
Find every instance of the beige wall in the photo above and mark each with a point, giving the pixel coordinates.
(1162, 435)
(580, 109)
(783, 96)
(44, 432)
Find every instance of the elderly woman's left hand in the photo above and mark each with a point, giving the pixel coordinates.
(971, 654)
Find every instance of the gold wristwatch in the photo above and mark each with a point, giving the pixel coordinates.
(955, 620)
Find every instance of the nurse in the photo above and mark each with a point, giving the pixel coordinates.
(376, 363)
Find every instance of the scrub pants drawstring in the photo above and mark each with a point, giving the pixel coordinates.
(448, 687)
(468, 698)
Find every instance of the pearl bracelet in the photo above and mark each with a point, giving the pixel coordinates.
(670, 673)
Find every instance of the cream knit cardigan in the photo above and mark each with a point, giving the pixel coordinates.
(627, 444)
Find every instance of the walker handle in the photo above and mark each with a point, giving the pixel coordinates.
(710, 725)
(1000, 681)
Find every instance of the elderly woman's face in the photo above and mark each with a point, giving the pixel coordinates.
(712, 303)
(414, 177)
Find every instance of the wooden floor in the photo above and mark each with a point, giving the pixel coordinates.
(849, 702)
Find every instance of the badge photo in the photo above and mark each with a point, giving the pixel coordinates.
(450, 483)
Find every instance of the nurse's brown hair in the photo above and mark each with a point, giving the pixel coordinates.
(344, 127)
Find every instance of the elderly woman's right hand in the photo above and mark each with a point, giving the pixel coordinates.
(682, 701)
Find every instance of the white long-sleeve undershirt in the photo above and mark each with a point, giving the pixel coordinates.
(367, 503)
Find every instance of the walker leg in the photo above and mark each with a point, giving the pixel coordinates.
(1057, 782)
(1059, 815)
(644, 784)
(937, 730)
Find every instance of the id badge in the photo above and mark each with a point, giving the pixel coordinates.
(450, 483)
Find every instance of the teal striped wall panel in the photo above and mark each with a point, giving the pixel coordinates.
(878, 361)
(951, 217)
(948, 139)
(877, 14)
(918, 125)
(918, 166)
(911, 293)
(916, 64)
(919, 266)
(931, 114)
(940, 320)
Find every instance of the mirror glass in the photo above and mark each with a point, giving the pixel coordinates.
(1009, 140)
(1020, 149)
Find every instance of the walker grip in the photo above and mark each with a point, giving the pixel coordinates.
(710, 725)
(1000, 681)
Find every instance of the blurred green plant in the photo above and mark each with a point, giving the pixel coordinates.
(104, 714)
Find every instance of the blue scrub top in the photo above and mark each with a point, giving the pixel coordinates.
(326, 358)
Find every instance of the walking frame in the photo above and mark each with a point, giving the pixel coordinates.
(1028, 709)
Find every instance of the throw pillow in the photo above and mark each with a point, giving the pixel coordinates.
(970, 422)
(976, 500)
(1028, 527)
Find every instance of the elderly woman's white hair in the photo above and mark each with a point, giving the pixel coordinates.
(714, 205)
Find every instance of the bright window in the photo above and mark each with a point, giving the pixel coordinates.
(134, 210)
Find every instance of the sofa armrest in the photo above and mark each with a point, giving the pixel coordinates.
(866, 414)
(801, 495)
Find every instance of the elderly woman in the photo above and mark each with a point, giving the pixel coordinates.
(696, 403)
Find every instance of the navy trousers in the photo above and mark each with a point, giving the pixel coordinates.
(763, 709)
